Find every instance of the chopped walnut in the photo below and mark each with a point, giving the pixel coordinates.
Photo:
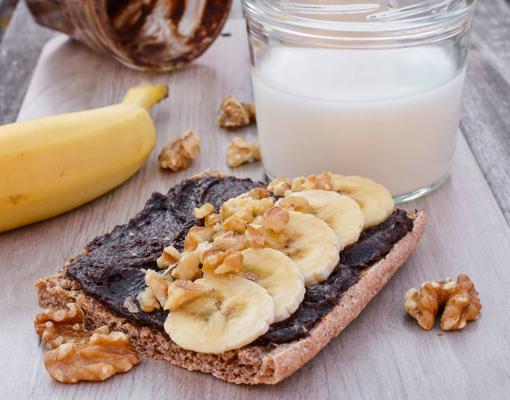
(130, 305)
(231, 206)
(212, 220)
(460, 301)
(212, 258)
(258, 193)
(255, 237)
(158, 285)
(262, 205)
(101, 357)
(234, 114)
(232, 262)
(239, 220)
(147, 300)
(239, 152)
(294, 203)
(297, 184)
(181, 292)
(197, 235)
(279, 186)
(180, 151)
(275, 240)
(169, 257)
(276, 219)
(324, 181)
(188, 267)
(203, 211)
(230, 240)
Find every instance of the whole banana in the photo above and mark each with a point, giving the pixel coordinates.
(53, 164)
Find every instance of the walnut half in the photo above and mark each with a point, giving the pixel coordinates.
(459, 300)
(103, 356)
(56, 327)
(78, 354)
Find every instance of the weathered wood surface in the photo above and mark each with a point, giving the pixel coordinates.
(485, 123)
(382, 354)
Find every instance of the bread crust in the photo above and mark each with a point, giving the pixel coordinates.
(252, 364)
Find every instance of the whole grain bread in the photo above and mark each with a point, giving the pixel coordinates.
(251, 364)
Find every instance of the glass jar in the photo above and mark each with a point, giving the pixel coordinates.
(157, 35)
(360, 87)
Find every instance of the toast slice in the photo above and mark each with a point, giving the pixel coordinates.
(252, 364)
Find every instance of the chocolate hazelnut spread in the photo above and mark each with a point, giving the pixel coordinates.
(112, 267)
(155, 35)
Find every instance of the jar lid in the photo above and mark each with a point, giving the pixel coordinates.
(372, 22)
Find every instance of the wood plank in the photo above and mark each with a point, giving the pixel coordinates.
(486, 120)
(491, 32)
(19, 50)
(382, 354)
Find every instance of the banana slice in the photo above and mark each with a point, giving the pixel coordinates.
(374, 199)
(232, 313)
(312, 245)
(341, 213)
(279, 275)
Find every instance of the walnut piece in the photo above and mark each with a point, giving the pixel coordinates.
(197, 235)
(234, 114)
(294, 203)
(279, 186)
(147, 300)
(101, 357)
(188, 267)
(324, 181)
(130, 305)
(240, 211)
(211, 220)
(232, 262)
(170, 256)
(258, 193)
(181, 292)
(255, 237)
(230, 240)
(158, 285)
(239, 152)
(282, 186)
(276, 219)
(459, 300)
(203, 211)
(180, 151)
(211, 258)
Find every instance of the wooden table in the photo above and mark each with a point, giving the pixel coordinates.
(382, 354)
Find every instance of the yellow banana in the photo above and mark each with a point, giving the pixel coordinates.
(53, 164)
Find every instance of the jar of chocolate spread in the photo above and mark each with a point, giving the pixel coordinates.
(158, 35)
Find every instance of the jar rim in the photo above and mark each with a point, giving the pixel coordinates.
(336, 19)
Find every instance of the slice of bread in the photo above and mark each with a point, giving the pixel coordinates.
(252, 364)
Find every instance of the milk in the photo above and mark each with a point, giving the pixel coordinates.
(387, 114)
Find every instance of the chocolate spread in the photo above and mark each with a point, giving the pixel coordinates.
(113, 265)
(157, 33)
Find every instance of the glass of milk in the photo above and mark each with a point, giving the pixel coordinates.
(360, 87)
